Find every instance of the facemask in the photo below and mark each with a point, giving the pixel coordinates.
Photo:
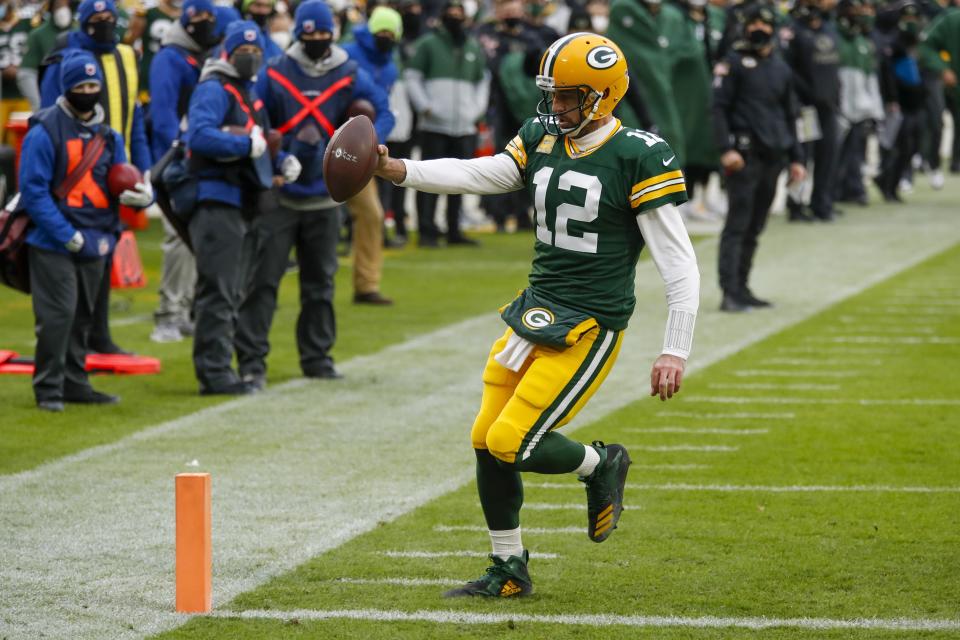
(247, 64)
(282, 38)
(102, 32)
(203, 32)
(62, 17)
(316, 49)
(758, 38)
(384, 44)
(411, 25)
(83, 102)
(455, 27)
(259, 18)
(512, 23)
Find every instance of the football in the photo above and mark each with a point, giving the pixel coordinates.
(361, 107)
(351, 158)
(123, 176)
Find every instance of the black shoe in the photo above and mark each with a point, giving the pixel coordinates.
(955, 167)
(109, 348)
(751, 300)
(504, 579)
(462, 240)
(605, 490)
(373, 297)
(325, 373)
(824, 217)
(53, 406)
(733, 304)
(427, 242)
(256, 381)
(90, 397)
(238, 388)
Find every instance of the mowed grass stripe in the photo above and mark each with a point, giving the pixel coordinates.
(798, 488)
(602, 620)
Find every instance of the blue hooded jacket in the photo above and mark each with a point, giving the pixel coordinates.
(380, 66)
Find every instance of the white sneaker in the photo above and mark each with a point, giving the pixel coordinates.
(166, 333)
(936, 180)
(905, 186)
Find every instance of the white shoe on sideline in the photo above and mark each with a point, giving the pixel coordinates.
(936, 180)
(166, 333)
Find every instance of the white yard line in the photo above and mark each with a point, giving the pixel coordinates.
(705, 448)
(424, 555)
(774, 386)
(793, 373)
(831, 349)
(86, 541)
(725, 432)
(857, 339)
(556, 506)
(864, 402)
(447, 528)
(748, 488)
(588, 620)
(735, 415)
(401, 582)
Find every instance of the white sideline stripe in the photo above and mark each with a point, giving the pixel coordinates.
(402, 582)
(464, 553)
(758, 488)
(834, 349)
(597, 620)
(740, 415)
(670, 467)
(124, 322)
(906, 329)
(816, 362)
(706, 448)
(725, 432)
(556, 506)
(773, 386)
(792, 373)
(448, 528)
(281, 492)
(864, 402)
(888, 339)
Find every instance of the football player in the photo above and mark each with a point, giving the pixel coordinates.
(602, 192)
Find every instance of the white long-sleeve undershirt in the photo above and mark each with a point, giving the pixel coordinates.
(663, 232)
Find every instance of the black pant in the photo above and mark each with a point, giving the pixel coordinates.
(932, 124)
(438, 145)
(824, 164)
(314, 234)
(849, 181)
(100, 339)
(896, 162)
(64, 294)
(954, 105)
(392, 197)
(223, 244)
(750, 192)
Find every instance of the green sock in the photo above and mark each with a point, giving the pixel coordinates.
(501, 492)
(554, 454)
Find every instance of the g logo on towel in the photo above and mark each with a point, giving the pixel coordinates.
(538, 318)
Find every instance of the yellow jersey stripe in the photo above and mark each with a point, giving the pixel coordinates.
(516, 150)
(657, 187)
(654, 180)
(659, 193)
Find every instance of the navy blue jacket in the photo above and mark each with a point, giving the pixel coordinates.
(282, 106)
(174, 72)
(43, 167)
(380, 66)
(213, 107)
(50, 90)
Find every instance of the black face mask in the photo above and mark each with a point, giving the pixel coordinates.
(102, 32)
(512, 23)
(316, 49)
(759, 38)
(260, 19)
(203, 32)
(247, 64)
(455, 27)
(384, 44)
(83, 102)
(411, 25)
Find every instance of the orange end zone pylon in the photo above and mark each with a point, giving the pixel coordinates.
(194, 551)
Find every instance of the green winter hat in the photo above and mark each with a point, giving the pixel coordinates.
(385, 19)
(245, 4)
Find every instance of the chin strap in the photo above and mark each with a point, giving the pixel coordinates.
(573, 133)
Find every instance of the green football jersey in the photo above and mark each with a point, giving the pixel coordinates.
(13, 44)
(587, 203)
(157, 24)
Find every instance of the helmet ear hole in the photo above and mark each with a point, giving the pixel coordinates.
(606, 93)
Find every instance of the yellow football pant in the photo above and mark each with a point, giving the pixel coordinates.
(520, 407)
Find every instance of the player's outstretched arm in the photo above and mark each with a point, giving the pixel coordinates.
(482, 176)
(390, 168)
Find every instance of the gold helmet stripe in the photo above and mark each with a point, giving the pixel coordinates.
(546, 66)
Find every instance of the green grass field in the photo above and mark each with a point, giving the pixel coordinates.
(805, 483)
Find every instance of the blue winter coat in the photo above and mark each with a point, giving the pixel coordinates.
(282, 106)
(173, 72)
(380, 66)
(43, 167)
(50, 90)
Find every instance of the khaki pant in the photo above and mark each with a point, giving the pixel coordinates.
(367, 214)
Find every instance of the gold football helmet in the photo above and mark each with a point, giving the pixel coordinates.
(588, 63)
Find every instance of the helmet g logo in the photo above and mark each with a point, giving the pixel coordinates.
(602, 57)
(537, 318)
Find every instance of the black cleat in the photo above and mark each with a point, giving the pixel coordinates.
(751, 300)
(733, 304)
(90, 396)
(605, 490)
(504, 579)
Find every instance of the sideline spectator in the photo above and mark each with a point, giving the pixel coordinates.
(157, 22)
(74, 232)
(13, 44)
(449, 87)
(41, 41)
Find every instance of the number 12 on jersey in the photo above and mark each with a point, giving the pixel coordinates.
(560, 236)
